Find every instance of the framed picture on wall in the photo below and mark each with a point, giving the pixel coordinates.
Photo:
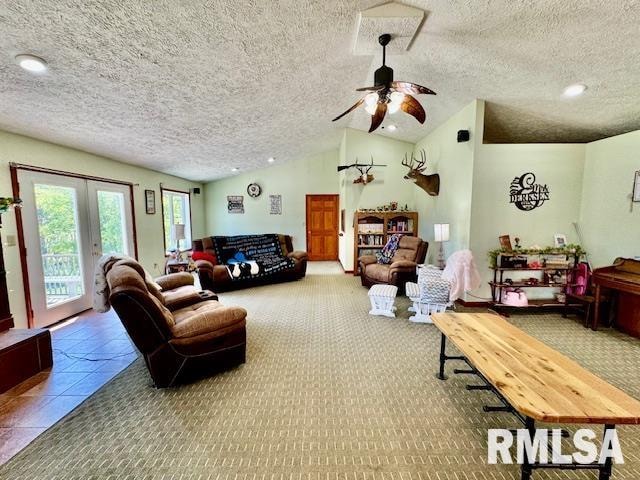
(150, 201)
(636, 187)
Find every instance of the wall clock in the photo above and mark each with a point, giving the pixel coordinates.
(254, 190)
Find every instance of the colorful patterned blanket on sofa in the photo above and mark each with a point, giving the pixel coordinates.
(251, 256)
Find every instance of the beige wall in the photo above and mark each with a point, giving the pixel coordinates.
(611, 228)
(25, 150)
(293, 180)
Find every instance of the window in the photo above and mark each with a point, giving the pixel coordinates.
(176, 213)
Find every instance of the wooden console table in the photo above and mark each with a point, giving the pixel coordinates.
(531, 380)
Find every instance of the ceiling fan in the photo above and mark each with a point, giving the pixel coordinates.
(387, 95)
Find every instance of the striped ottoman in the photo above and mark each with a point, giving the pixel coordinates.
(382, 298)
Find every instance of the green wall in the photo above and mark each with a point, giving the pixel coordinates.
(25, 150)
(453, 161)
(293, 180)
(389, 184)
(611, 228)
(560, 166)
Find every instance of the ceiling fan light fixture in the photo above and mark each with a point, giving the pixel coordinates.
(395, 100)
(371, 103)
(392, 128)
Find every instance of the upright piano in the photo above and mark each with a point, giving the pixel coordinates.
(624, 278)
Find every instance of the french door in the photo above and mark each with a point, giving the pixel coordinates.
(69, 223)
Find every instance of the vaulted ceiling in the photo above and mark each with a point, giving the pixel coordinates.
(196, 88)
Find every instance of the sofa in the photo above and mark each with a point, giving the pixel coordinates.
(410, 253)
(182, 333)
(217, 278)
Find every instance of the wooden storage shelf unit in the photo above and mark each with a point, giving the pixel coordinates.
(372, 230)
(498, 284)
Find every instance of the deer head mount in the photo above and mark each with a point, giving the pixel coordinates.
(364, 168)
(429, 183)
(365, 177)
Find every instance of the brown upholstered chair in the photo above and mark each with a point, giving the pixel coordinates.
(188, 341)
(217, 278)
(411, 252)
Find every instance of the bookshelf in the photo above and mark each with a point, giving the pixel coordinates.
(372, 230)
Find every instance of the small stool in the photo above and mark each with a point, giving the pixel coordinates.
(413, 292)
(382, 298)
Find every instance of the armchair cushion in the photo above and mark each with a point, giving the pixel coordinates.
(403, 265)
(181, 297)
(174, 280)
(378, 272)
(367, 259)
(298, 255)
(205, 317)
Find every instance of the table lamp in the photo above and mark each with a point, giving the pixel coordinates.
(178, 234)
(441, 234)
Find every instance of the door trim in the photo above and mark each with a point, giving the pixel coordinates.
(306, 225)
(22, 249)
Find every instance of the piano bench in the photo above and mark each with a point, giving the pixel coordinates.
(584, 305)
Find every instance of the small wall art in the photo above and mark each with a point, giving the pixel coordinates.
(275, 204)
(636, 187)
(150, 201)
(235, 203)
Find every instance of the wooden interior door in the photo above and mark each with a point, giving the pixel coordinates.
(322, 227)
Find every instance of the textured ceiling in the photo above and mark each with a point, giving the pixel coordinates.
(195, 88)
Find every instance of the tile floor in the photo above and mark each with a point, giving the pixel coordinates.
(88, 351)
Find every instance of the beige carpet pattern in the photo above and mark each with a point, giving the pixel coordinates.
(328, 393)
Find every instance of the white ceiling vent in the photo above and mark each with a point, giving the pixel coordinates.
(401, 21)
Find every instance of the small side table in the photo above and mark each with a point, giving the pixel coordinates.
(175, 266)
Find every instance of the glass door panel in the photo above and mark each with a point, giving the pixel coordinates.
(60, 250)
(58, 245)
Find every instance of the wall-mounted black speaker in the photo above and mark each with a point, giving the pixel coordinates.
(463, 136)
(196, 191)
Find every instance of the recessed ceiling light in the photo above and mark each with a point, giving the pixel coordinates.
(391, 128)
(31, 63)
(271, 159)
(574, 90)
(235, 169)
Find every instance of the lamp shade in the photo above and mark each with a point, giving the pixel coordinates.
(441, 232)
(178, 231)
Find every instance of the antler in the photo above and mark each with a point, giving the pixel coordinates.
(406, 163)
(370, 166)
(423, 160)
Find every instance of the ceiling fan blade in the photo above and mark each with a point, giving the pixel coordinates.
(408, 87)
(376, 118)
(355, 105)
(375, 88)
(412, 106)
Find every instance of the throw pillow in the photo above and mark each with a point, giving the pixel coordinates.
(204, 256)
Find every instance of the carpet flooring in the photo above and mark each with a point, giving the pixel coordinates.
(328, 393)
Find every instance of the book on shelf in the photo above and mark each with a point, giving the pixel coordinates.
(370, 239)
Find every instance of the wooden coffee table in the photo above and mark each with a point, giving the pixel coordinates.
(532, 380)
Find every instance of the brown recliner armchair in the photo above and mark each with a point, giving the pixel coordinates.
(411, 252)
(193, 339)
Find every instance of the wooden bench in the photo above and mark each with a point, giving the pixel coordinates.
(532, 380)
